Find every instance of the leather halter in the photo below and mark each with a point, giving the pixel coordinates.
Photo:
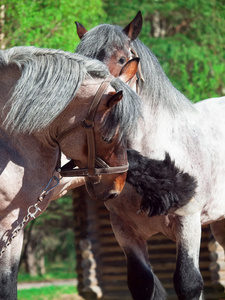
(139, 74)
(88, 124)
(134, 53)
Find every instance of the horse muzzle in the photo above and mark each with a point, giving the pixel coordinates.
(104, 187)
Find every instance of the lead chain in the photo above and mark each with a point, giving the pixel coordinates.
(30, 214)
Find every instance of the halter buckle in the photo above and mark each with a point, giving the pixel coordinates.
(88, 124)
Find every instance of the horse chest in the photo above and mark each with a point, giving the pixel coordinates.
(11, 175)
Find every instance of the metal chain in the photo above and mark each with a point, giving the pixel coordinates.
(31, 213)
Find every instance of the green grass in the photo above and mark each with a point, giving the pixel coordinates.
(56, 270)
(46, 293)
(23, 277)
(61, 269)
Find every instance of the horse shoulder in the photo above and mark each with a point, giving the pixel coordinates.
(9, 75)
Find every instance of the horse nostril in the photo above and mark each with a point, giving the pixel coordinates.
(113, 195)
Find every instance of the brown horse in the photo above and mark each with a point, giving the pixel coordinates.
(53, 101)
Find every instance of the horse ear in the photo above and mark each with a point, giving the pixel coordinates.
(115, 98)
(133, 29)
(129, 70)
(80, 30)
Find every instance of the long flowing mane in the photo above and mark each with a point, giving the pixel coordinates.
(156, 87)
(125, 114)
(49, 81)
(46, 75)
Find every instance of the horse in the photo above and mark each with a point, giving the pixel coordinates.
(51, 102)
(194, 137)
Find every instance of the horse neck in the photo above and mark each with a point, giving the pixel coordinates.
(164, 108)
(33, 151)
(9, 75)
(158, 127)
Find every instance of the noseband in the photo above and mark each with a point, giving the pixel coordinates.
(69, 170)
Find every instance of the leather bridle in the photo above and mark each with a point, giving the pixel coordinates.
(139, 76)
(70, 169)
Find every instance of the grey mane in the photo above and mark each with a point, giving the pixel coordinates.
(156, 86)
(101, 38)
(49, 81)
(125, 114)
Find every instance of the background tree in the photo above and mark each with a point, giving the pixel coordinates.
(49, 240)
(48, 23)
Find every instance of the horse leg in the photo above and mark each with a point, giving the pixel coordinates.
(188, 282)
(218, 231)
(9, 263)
(142, 282)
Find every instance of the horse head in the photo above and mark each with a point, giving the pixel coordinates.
(102, 143)
(115, 56)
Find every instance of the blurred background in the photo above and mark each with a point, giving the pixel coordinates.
(188, 38)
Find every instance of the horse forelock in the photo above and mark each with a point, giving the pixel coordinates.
(102, 38)
(49, 81)
(123, 117)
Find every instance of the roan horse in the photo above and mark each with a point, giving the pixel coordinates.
(193, 135)
(50, 100)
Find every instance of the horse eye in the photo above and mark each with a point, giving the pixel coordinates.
(107, 140)
(122, 60)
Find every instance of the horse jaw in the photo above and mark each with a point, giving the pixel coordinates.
(100, 189)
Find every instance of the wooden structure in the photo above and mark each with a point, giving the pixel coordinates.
(101, 265)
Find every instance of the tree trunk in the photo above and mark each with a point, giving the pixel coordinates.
(30, 261)
(2, 21)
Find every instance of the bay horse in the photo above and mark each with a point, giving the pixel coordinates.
(193, 135)
(53, 101)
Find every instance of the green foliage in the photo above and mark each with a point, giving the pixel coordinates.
(192, 69)
(190, 46)
(63, 269)
(48, 23)
(46, 293)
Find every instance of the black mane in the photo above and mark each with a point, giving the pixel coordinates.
(160, 183)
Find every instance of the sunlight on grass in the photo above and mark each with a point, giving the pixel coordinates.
(46, 293)
(23, 277)
(56, 270)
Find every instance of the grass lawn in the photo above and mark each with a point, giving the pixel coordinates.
(57, 270)
(46, 293)
(23, 277)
